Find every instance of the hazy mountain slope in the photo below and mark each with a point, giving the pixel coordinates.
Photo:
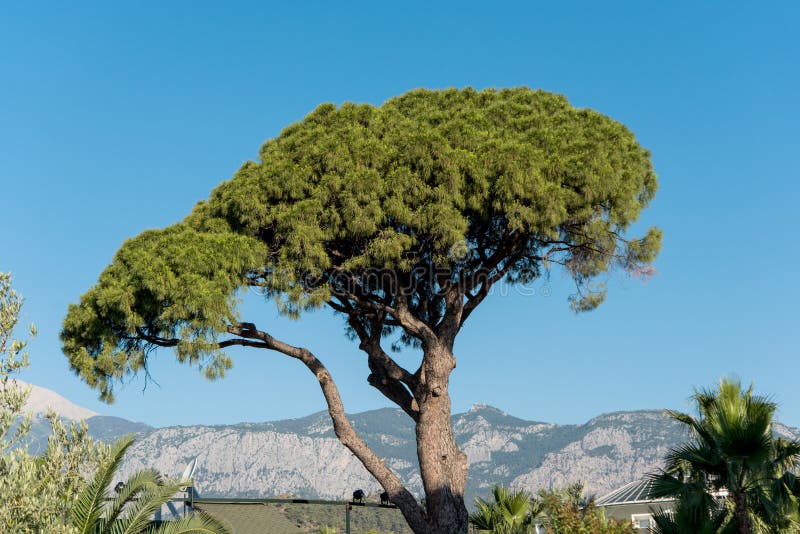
(42, 400)
(109, 428)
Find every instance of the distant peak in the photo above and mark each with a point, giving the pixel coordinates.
(481, 407)
(42, 400)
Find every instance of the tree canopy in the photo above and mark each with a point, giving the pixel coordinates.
(436, 188)
(401, 218)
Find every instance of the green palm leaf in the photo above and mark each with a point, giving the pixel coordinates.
(197, 523)
(88, 508)
(139, 482)
(131, 510)
(136, 518)
(512, 512)
(732, 449)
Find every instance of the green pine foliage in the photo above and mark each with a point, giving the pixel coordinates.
(429, 182)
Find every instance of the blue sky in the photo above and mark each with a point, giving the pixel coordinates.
(117, 117)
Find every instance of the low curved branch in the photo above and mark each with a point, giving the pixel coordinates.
(341, 425)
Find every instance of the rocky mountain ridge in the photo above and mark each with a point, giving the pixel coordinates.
(303, 457)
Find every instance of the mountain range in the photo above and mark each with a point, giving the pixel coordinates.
(302, 457)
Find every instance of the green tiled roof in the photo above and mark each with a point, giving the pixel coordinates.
(250, 518)
(296, 516)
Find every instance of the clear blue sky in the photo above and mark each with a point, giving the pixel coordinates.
(116, 117)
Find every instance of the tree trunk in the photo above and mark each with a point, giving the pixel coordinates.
(743, 523)
(443, 466)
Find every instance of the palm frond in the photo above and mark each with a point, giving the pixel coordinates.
(146, 480)
(483, 518)
(512, 512)
(733, 449)
(787, 454)
(136, 518)
(198, 523)
(694, 425)
(88, 507)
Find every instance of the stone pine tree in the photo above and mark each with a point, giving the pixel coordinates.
(400, 218)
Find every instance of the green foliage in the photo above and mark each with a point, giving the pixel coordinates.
(85, 515)
(98, 511)
(36, 492)
(434, 189)
(733, 475)
(13, 359)
(176, 284)
(695, 511)
(561, 511)
(510, 512)
(568, 511)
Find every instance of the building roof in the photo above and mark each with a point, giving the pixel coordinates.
(299, 516)
(252, 518)
(633, 492)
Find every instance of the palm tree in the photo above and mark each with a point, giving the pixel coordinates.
(96, 511)
(512, 512)
(696, 510)
(733, 473)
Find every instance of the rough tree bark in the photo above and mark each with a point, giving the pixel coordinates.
(443, 466)
(744, 525)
